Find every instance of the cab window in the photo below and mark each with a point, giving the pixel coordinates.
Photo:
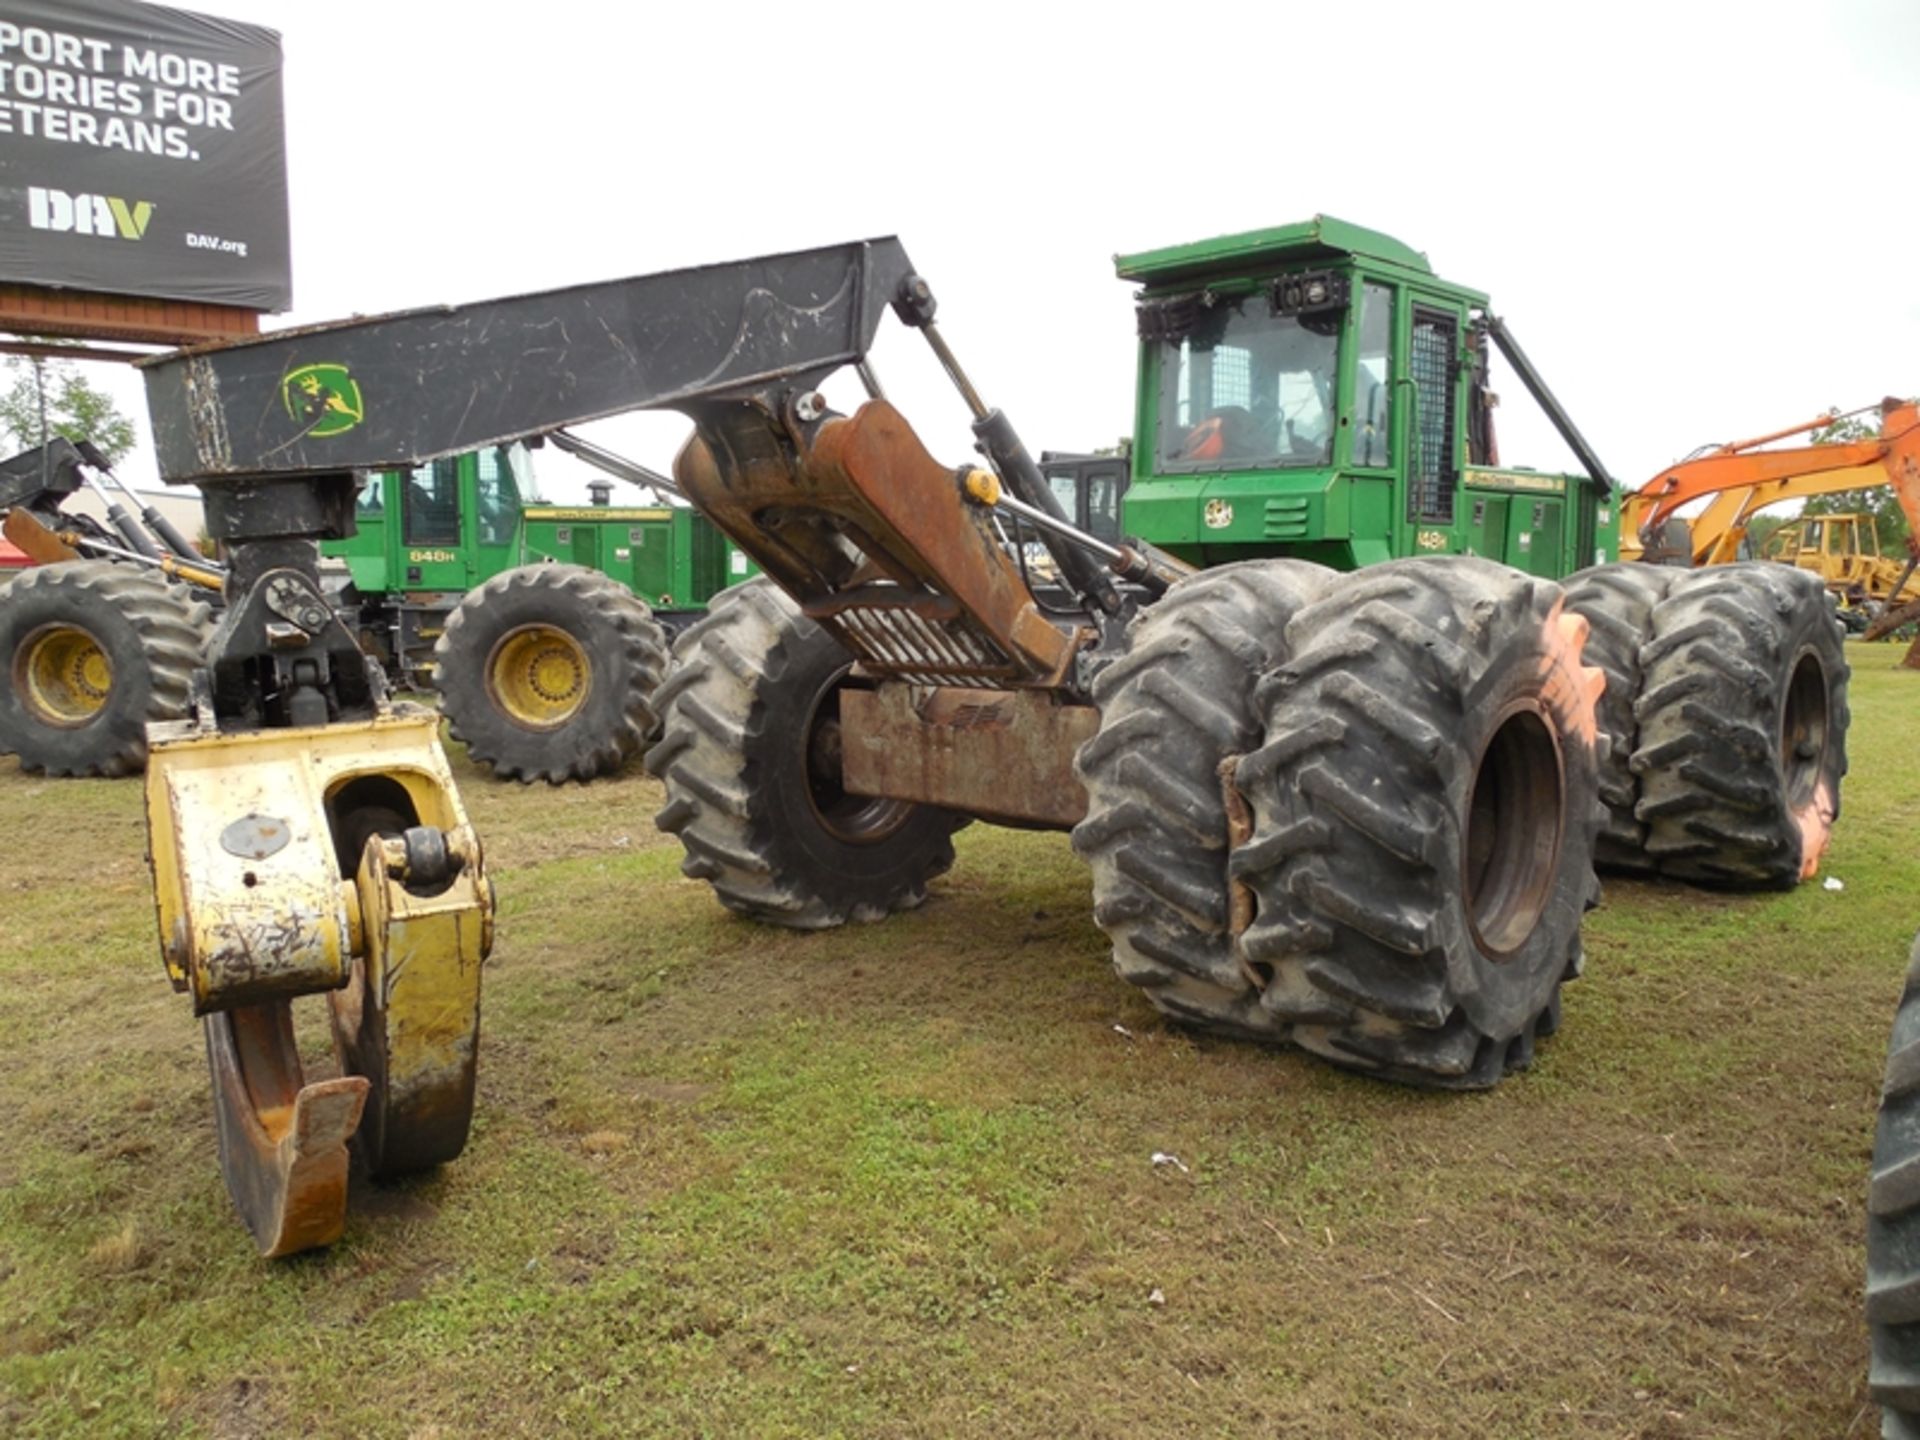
(496, 495)
(1066, 489)
(433, 503)
(1246, 388)
(1103, 506)
(1373, 385)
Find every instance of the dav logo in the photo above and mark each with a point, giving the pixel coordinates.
(107, 216)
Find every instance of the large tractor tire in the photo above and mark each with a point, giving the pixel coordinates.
(1426, 802)
(1617, 601)
(750, 755)
(1176, 706)
(548, 672)
(1893, 1226)
(1742, 727)
(93, 652)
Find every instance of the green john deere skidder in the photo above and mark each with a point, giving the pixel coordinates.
(1352, 811)
(544, 628)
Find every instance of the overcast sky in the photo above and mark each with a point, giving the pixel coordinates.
(1700, 219)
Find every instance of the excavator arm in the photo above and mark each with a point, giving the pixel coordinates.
(1719, 530)
(1745, 478)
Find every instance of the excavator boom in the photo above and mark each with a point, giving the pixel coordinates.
(1746, 478)
(1719, 529)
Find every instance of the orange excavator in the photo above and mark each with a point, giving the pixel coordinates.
(1745, 477)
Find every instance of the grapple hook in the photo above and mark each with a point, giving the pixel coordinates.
(283, 1142)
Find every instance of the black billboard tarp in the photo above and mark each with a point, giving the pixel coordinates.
(142, 152)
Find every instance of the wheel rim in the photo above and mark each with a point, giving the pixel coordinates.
(1804, 729)
(63, 675)
(854, 819)
(1515, 822)
(539, 677)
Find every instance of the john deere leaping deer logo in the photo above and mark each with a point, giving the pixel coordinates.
(324, 399)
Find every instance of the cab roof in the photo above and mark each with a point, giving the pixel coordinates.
(1322, 238)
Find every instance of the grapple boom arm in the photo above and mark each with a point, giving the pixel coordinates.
(397, 390)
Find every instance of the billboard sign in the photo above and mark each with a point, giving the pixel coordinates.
(142, 152)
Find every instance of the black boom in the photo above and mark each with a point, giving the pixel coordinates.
(398, 390)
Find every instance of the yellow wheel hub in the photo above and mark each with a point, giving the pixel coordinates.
(539, 676)
(63, 675)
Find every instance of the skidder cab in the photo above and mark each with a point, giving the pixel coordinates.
(1316, 390)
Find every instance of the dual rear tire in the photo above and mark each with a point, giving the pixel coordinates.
(1357, 813)
(1415, 749)
(1726, 714)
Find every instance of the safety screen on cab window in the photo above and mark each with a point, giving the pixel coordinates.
(1435, 477)
(1244, 388)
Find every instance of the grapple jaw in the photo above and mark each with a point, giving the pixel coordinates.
(250, 835)
(283, 1142)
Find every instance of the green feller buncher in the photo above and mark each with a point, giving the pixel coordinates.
(1328, 730)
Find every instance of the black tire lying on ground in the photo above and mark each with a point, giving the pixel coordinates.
(1177, 704)
(1893, 1226)
(548, 672)
(1426, 801)
(92, 652)
(749, 753)
(1742, 720)
(1617, 601)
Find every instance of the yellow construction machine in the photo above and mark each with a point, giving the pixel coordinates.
(100, 637)
(1844, 551)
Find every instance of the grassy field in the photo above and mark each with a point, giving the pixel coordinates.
(896, 1181)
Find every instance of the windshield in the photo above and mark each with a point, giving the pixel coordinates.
(1247, 388)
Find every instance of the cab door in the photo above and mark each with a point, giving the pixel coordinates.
(368, 552)
(1089, 489)
(1102, 483)
(494, 513)
(1432, 438)
(433, 550)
